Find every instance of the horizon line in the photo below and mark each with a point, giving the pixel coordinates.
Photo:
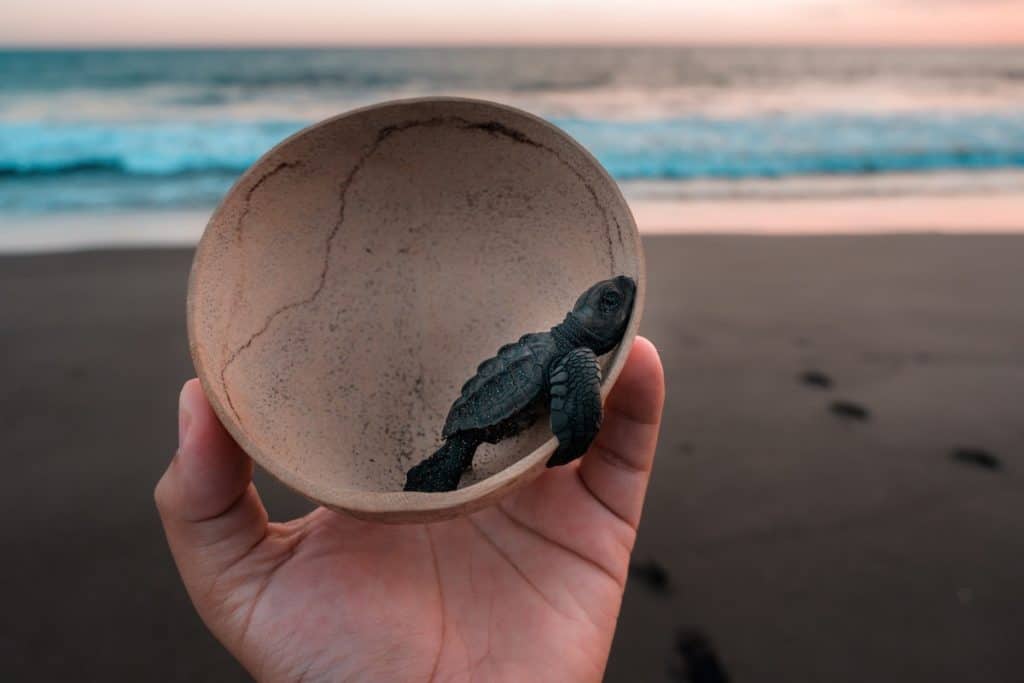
(781, 44)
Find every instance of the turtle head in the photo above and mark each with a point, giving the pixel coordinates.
(603, 311)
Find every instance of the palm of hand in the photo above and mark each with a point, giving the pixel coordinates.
(526, 590)
(502, 594)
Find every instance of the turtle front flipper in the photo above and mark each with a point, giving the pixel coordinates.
(442, 470)
(575, 388)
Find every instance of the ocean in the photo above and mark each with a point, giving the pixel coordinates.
(102, 130)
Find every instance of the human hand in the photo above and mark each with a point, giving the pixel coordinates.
(526, 590)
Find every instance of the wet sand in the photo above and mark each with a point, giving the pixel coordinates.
(783, 540)
(942, 211)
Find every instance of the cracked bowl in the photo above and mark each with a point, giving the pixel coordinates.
(357, 274)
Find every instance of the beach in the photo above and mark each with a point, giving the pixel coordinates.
(798, 540)
(834, 238)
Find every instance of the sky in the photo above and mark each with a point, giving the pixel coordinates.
(456, 22)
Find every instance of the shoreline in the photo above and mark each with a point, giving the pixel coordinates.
(982, 213)
(901, 214)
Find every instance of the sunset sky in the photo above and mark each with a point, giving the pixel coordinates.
(397, 22)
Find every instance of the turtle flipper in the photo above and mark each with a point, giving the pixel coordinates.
(575, 389)
(442, 470)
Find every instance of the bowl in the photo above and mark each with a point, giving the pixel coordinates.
(356, 275)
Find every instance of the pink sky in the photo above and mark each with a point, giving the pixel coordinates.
(392, 22)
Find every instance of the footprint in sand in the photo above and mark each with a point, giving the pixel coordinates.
(700, 663)
(978, 457)
(816, 378)
(849, 410)
(652, 575)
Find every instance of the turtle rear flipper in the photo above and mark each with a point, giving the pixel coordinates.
(442, 470)
(575, 389)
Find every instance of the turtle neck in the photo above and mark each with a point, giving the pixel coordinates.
(571, 334)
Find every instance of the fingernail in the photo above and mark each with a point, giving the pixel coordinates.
(184, 414)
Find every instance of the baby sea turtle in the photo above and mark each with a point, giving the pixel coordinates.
(556, 369)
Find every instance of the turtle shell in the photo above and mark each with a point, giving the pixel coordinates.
(503, 385)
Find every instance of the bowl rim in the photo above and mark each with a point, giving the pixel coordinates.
(410, 506)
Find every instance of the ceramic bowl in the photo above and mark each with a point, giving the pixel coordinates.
(357, 274)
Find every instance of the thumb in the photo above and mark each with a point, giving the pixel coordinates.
(617, 467)
(210, 510)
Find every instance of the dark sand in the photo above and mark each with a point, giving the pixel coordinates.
(798, 544)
